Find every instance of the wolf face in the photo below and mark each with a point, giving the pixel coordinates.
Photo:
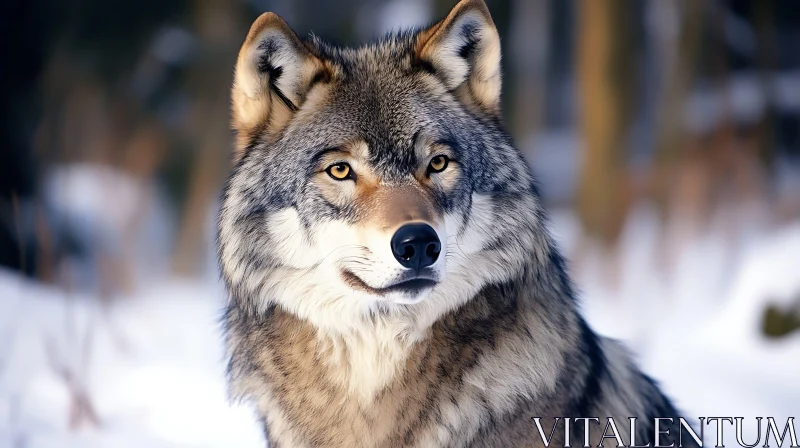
(374, 183)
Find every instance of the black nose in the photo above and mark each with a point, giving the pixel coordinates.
(416, 245)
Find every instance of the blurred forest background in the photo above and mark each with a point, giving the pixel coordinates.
(677, 118)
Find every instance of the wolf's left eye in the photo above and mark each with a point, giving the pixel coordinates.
(340, 171)
(438, 164)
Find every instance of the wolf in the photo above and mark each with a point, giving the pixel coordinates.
(391, 278)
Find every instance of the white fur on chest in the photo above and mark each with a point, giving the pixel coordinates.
(367, 361)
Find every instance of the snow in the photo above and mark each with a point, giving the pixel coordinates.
(154, 369)
(152, 361)
(695, 326)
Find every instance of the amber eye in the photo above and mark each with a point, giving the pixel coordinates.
(438, 164)
(340, 171)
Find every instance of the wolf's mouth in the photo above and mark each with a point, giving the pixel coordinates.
(408, 286)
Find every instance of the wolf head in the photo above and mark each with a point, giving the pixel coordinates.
(374, 183)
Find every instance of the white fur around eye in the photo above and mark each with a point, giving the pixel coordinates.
(337, 192)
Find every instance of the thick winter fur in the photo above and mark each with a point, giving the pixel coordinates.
(322, 341)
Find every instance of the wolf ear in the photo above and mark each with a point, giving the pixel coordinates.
(274, 72)
(463, 50)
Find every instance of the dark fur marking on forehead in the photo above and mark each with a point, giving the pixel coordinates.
(389, 156)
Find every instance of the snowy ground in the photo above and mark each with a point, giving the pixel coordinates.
(697, 330)
(152, 364)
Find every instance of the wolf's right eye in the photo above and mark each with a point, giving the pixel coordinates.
(340, 171)
(438, 164)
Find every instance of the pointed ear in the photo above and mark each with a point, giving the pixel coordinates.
(274, 72)
(464, 52)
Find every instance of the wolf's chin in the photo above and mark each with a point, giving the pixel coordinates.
(409, 292)
(410, 298)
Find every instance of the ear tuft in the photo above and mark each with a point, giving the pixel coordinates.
(464, 52)
(274, 72)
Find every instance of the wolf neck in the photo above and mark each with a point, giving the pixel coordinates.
(366, 362)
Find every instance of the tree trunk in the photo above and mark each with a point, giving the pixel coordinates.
(529, 40)
(670, 140)
(604, 71)
(219, 29)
